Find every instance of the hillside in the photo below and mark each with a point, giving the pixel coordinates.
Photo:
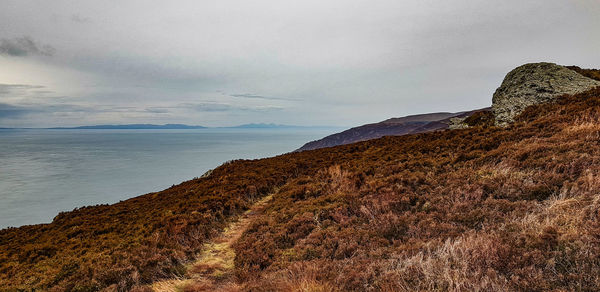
(483, 208)
(391, 127)
(439, 121)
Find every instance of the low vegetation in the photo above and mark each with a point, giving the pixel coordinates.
(482, 208)
(137, 241)
(590, 73)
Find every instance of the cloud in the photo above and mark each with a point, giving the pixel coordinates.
(24, 46)
(210, 107)
(256, 96)
(157, 110)
(80, 19)
(6, 89)
(18, 110)
(11, 111)
(223, 107)
(326, 62)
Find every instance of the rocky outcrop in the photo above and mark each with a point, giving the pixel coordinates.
(535, 83)
(457, 123)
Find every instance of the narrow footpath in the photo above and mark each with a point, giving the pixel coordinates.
(214, 269)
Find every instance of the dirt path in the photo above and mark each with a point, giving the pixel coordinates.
(214, 269)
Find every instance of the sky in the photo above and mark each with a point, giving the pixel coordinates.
(310, 62)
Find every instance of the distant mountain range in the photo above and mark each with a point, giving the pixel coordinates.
(135, 126)
(391, 127)
(183, 126)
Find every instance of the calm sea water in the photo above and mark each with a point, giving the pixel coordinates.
(43, 172)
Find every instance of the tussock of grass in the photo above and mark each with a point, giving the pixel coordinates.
(175, 285)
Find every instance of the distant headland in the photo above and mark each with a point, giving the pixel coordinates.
(177, 127)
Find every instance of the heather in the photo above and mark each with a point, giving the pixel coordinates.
(136, 241)
(483, 208)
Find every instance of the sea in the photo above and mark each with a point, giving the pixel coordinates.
(44, 172)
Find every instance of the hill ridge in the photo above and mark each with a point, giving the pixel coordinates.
(412, 124)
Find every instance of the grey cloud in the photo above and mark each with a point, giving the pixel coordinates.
(256, 96)
(24, 46)
(34, 114)
(42, 92)
(208, 107)
(346, 62)
(265, 108)
(27, 93)
(57, 108)
(157, 110)
(223, 107)
(80, 19)
(21, 109)
(11, 111)
(11, 88)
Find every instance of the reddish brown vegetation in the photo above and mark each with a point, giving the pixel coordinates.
(590, 73)
(480, 119)
(140, 240)
(478, 209)
(482, 208)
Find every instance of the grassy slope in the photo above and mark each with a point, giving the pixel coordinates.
(478, 209)
(483, 207)
(140, 240)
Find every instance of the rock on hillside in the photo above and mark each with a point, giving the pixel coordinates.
(535, 83)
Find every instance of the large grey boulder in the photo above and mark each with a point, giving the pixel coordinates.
(535, 83)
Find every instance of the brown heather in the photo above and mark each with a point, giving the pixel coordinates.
(590, 73)
(481, 209)
(478, 209)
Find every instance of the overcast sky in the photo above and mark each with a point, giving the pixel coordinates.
(222, 62)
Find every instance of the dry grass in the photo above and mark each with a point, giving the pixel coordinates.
(174, 285)
(481, 209)
(467, 263)
(214, 268)
(301, 277)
